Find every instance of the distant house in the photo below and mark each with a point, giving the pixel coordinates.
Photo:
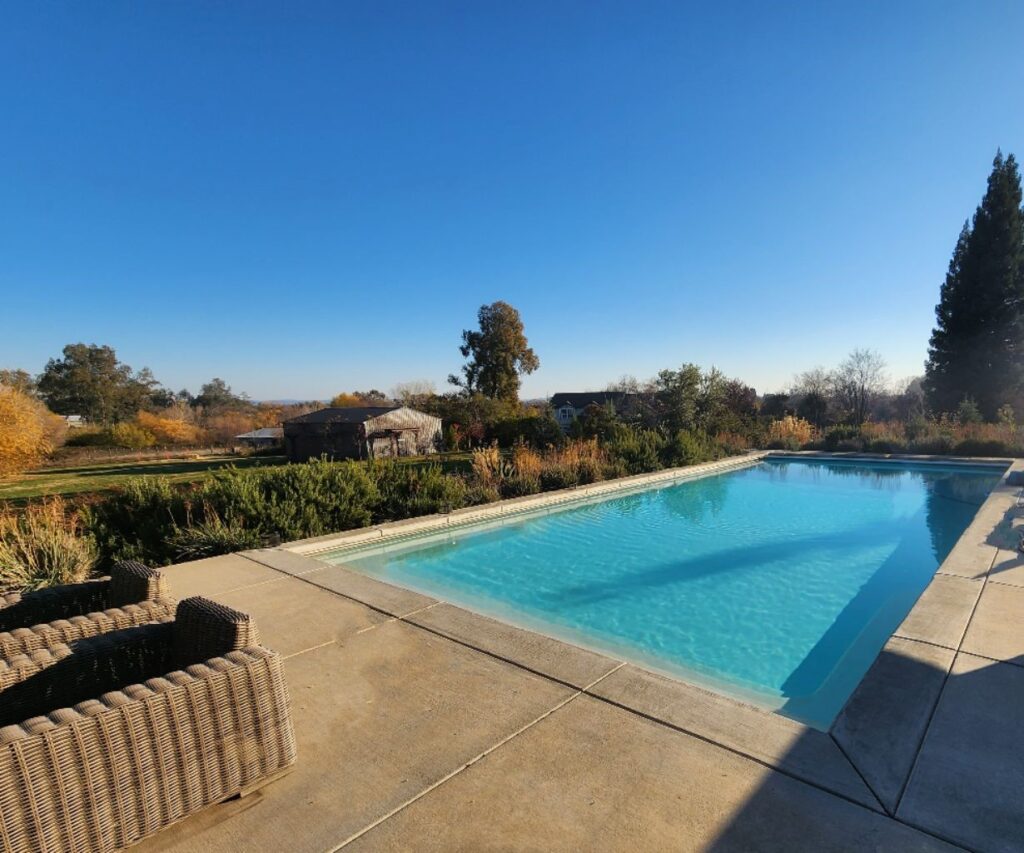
(258, 438)
(75, 421)
(569, 406)
(368, 432)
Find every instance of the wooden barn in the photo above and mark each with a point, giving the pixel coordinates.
(369, 432)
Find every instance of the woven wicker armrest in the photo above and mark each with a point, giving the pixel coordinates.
(71, 673)
(35, 681)
(22, 641)
(110, 771)
(205, 629)
(129, 583)
(22, 609)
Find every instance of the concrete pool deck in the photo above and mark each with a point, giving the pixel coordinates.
(422, 725)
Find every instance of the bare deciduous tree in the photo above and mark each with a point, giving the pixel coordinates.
(627, 384)
(409, 393)
(857, 381)
(817, 380)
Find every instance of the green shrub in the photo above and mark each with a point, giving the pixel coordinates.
(294, 501)
(841, 433)
(558, 477)
(405, 491)
(613, 469)
(934, 444)
(595, 421)
(637, 450)
(589, 471)
(137, 522)
(535, 430)
(287, 502)
(688, 448)
(479, 493)
(788, 442)
(131, 436)
(850, 445)
(520, 485)
(982, 447)
(917, 427)
(968, 412)
(882, 445)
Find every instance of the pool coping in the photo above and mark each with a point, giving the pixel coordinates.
(468, 516)
(849, 760)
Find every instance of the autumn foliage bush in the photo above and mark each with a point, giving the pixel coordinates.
(28, 431)
(945, 435)
(527, 471)
(169, 431)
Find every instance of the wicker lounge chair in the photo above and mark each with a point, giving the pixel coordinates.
(134, 594)
(131, 731)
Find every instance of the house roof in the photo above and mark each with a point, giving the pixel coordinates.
(352, 415)
(263, 432)
(582, 399)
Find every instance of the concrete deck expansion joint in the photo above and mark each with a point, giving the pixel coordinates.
(472, 761)
(423, 724)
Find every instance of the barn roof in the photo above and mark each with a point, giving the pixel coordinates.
(582, 399)
(348, 415)
(264, 432)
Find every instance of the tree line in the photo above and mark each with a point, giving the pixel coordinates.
(974, 371)
(89, 380)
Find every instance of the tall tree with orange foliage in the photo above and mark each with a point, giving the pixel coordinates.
(23, 431)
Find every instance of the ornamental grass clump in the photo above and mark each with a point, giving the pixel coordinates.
(790, 433)
(525, 477)
(43, 545)
(577, 463)
(489, 469)
(212, 536)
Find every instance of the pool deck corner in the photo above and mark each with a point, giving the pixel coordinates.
(422, 725)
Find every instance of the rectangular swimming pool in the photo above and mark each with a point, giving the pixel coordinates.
(777, 583)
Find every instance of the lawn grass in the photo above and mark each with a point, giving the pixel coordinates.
(105, 476)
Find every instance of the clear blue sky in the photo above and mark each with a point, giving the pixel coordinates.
(308, 197)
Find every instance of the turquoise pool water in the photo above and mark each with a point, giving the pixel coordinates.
(776, 583)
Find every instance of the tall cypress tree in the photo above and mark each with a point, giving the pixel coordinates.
(977, 346)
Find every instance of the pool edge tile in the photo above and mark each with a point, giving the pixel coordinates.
(393, 600)
(533, 650)
(466, 516)
(941, 614)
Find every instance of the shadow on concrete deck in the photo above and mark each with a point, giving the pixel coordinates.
(941, 751)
